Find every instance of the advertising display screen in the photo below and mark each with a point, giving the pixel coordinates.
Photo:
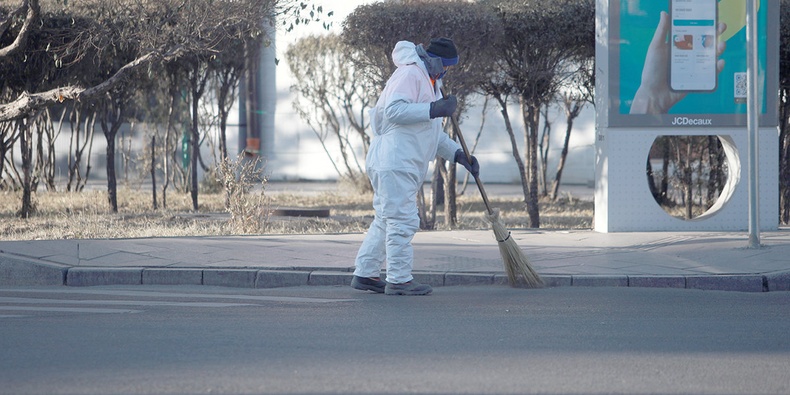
(684, 62)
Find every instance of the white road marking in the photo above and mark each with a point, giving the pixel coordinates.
(68, 309)
(156, 294)
(9, 300)
(139, 299)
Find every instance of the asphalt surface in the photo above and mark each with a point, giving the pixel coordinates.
(336, 340)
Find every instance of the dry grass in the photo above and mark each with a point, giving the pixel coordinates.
(86, 215)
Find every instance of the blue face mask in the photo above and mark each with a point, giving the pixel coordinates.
(435, 67)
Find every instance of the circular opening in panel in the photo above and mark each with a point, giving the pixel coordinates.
(692, 177)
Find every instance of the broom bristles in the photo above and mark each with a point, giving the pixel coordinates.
(517, 266)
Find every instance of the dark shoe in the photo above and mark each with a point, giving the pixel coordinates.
(409, 288)
(368, 284)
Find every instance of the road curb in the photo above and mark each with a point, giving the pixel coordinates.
(778, 281)
(281, 278)
(28, 272)
(235, 278)
(657, 281)
(172, 276)
(742, 283)
(89, 276)
(15, 271)
(599, 281)
(321, 277)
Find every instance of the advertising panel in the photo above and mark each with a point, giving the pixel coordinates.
(683, 62)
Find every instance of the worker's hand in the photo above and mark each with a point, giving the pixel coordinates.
(444, 107)
(472, 166)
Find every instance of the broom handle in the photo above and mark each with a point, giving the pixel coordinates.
(479, 183)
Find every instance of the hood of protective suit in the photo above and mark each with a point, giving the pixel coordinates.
(405, 53)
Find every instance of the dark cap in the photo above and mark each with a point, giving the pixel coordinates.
(443, 48)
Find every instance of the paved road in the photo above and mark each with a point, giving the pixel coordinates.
(335, 340)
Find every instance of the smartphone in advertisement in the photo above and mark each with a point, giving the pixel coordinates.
(692, 54)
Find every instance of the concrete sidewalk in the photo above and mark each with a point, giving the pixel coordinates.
(695, 260)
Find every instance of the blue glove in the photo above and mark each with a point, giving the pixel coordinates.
(443, 107)
(472, 166)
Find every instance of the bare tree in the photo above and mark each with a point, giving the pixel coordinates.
(228, 71)
(26, 145)
(93, 48)
(9, 177)
(334, 104)
(31, 10)
(574, 98)
(82, 124)
(540, 38)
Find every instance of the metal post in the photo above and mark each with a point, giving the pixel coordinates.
(753, 111)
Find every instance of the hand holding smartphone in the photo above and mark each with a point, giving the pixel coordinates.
(693, 44)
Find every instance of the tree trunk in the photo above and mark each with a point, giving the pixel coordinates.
(686, 170)
(514, 146)
(112, 182)
(450, 183)
(531, 116)
(153, 170)
(664, 190)
(27, 163)
(572, 110)
(651, 181)
(543, 153)
(194, 147)
(112, 114)
(168, 135)
(450, 204)
(198, 85)
(5, 148)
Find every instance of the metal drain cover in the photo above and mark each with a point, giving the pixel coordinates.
(301, 212)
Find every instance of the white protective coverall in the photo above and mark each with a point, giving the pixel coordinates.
(405, 140)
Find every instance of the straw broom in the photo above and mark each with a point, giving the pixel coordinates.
(519, 271)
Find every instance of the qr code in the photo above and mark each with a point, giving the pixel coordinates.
(741, 87)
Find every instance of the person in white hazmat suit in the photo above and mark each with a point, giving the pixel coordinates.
(407, 135)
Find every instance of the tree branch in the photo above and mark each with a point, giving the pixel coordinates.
(19, 43)
(28, 103)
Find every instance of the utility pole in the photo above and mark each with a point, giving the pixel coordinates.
(753, 127)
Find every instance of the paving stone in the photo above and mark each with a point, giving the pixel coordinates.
(238, 278)
(281, 278)
(91, 276)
